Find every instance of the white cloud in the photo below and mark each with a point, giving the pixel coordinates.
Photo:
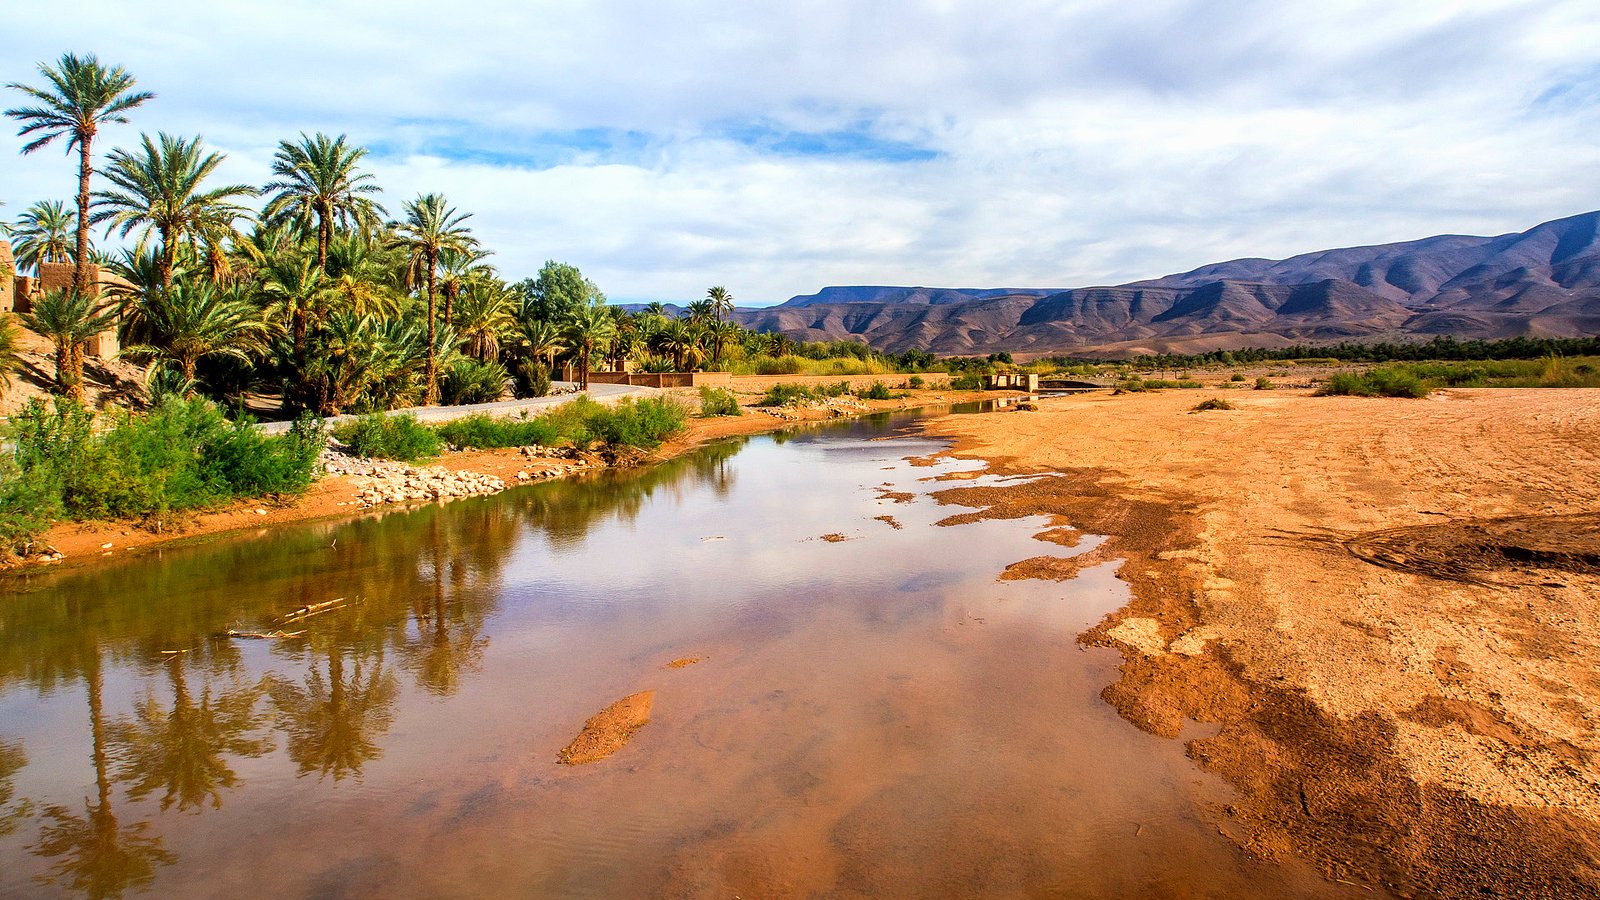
(1069, 143)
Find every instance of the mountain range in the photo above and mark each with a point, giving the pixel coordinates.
(1541, 282)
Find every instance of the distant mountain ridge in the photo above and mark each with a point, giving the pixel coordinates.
(1541, 282)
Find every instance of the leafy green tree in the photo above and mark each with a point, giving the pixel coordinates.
(159, 189)
(69, 319)
(431, 226)
(44, 234)
(558, 292)
(81, 95)
(320, 185)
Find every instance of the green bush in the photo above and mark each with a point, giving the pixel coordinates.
(484, 432)
(967, 381)
(1236, 377)
(786, 395)
(878, 391)
(1213, 403)
(470, 381)
(181, 455)
(399, 437)
(916, 382)
(837, 389)
(1376, 383)
(638, 423)
(1263, 383)
(719, 402)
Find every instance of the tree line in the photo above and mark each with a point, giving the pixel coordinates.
(306, 286)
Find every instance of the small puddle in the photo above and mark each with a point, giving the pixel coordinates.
(877, 715)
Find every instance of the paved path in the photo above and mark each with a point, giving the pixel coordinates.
(603, 393)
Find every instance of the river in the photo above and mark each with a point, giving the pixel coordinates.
(878, 715)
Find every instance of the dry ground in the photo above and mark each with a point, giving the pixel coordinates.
(1403, 664)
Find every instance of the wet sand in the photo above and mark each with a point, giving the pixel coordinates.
(1385, 605)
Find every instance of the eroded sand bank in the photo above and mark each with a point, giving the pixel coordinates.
(1415, 707)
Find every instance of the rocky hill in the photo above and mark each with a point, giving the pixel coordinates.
(1542, 282)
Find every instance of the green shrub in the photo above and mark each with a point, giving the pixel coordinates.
(967, 381)
(1263, 383)
(716, 402)
(1236, 377)
(470, 381)
(1376, 383)
(485, 432)
(878, 391)
(837, 389)
(639, 423)
(916, 383)
(181, 455)
(1213, 403)
(786, 395)
(399, 437)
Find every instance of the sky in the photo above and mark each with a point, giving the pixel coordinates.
(778, 147)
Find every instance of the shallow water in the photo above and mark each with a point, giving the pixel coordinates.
(874, 716)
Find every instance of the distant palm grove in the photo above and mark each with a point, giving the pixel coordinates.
(308, 288)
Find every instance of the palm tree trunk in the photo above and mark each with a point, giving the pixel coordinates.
(431, 395)
(324, 230)
(75, 365)
(80, 270)
(164, 262)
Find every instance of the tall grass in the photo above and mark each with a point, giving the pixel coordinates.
(800, 365)
(630, 423)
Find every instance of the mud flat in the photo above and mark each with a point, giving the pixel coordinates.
(1386, 605)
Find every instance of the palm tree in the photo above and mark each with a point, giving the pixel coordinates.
(82, 95)
(321, 185)
(485, 315)
(194, 319)
(296, 291)
(44, 234)
(430, 227)
(459, 268)
(10, 348)
(68, 319)
(722, 334)
(701, 310)
(160, 192)
(589, 329)
(721, 301)
(540, 340)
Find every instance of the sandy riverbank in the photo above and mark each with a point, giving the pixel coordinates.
(1417, 708)
(336, 496)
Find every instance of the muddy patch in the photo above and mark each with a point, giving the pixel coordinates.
(1518, 551)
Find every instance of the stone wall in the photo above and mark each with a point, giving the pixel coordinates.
(58, 276)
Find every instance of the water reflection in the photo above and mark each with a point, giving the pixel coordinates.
(416, 592)
(95, 853)
(180, 748)
(12, 809)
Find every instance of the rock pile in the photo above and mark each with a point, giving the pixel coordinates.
(426, 484)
